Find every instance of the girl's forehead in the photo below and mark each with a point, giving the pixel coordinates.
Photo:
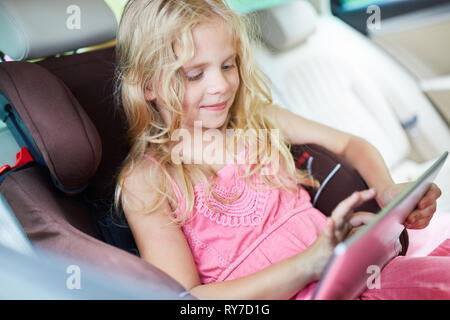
(209, 35)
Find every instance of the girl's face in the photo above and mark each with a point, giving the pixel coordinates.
(211, 76)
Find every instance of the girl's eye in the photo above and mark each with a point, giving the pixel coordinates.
(228, 67)
(194, 77)
(200, 74)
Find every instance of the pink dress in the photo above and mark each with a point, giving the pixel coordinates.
(262, 227)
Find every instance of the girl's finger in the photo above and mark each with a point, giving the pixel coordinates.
(421, 214)
(345, 208)
(432, 194)
(353, 231)
(361, 218)
(419, 224)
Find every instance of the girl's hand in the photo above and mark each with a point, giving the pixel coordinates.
(422, 214)
(359, 220)
(338, 227)
(344, 217)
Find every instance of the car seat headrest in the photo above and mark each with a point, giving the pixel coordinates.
(65, 136)
(35, 29)
(286, 26)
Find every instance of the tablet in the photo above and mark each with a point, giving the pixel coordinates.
(358, 260)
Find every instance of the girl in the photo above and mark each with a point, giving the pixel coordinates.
(238, 229)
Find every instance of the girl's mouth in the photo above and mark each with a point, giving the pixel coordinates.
(215, 107)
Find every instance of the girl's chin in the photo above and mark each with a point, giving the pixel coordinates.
(207, 119)
(211, 121)
(215, 125)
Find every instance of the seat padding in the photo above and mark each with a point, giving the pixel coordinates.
(65, 136)
(56, 223)
(89, 76)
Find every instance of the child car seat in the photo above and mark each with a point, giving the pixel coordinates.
(61, 109)
(65, 108)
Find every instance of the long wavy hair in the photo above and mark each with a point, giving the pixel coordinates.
(147, 34)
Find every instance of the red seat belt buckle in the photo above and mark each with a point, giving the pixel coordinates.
(22, 157)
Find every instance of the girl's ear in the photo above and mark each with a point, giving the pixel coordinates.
(149, 95)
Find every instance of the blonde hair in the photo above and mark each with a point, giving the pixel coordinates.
(147, 33)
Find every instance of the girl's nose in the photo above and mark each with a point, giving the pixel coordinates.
(218, 84)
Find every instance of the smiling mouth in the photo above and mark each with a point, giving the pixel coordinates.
(213, 107)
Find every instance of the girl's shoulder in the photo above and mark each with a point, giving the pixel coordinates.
(141, 169)
(141, 183)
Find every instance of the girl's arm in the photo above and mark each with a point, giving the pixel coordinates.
(369, 163)
(281, 280)
(359, 152)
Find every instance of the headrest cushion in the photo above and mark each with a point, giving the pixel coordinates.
(34, 29)
(64, 134)
(286, 26)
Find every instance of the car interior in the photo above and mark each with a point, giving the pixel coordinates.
(63, 136)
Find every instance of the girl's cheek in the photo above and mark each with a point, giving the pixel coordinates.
(236, 80)
(186, 99)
